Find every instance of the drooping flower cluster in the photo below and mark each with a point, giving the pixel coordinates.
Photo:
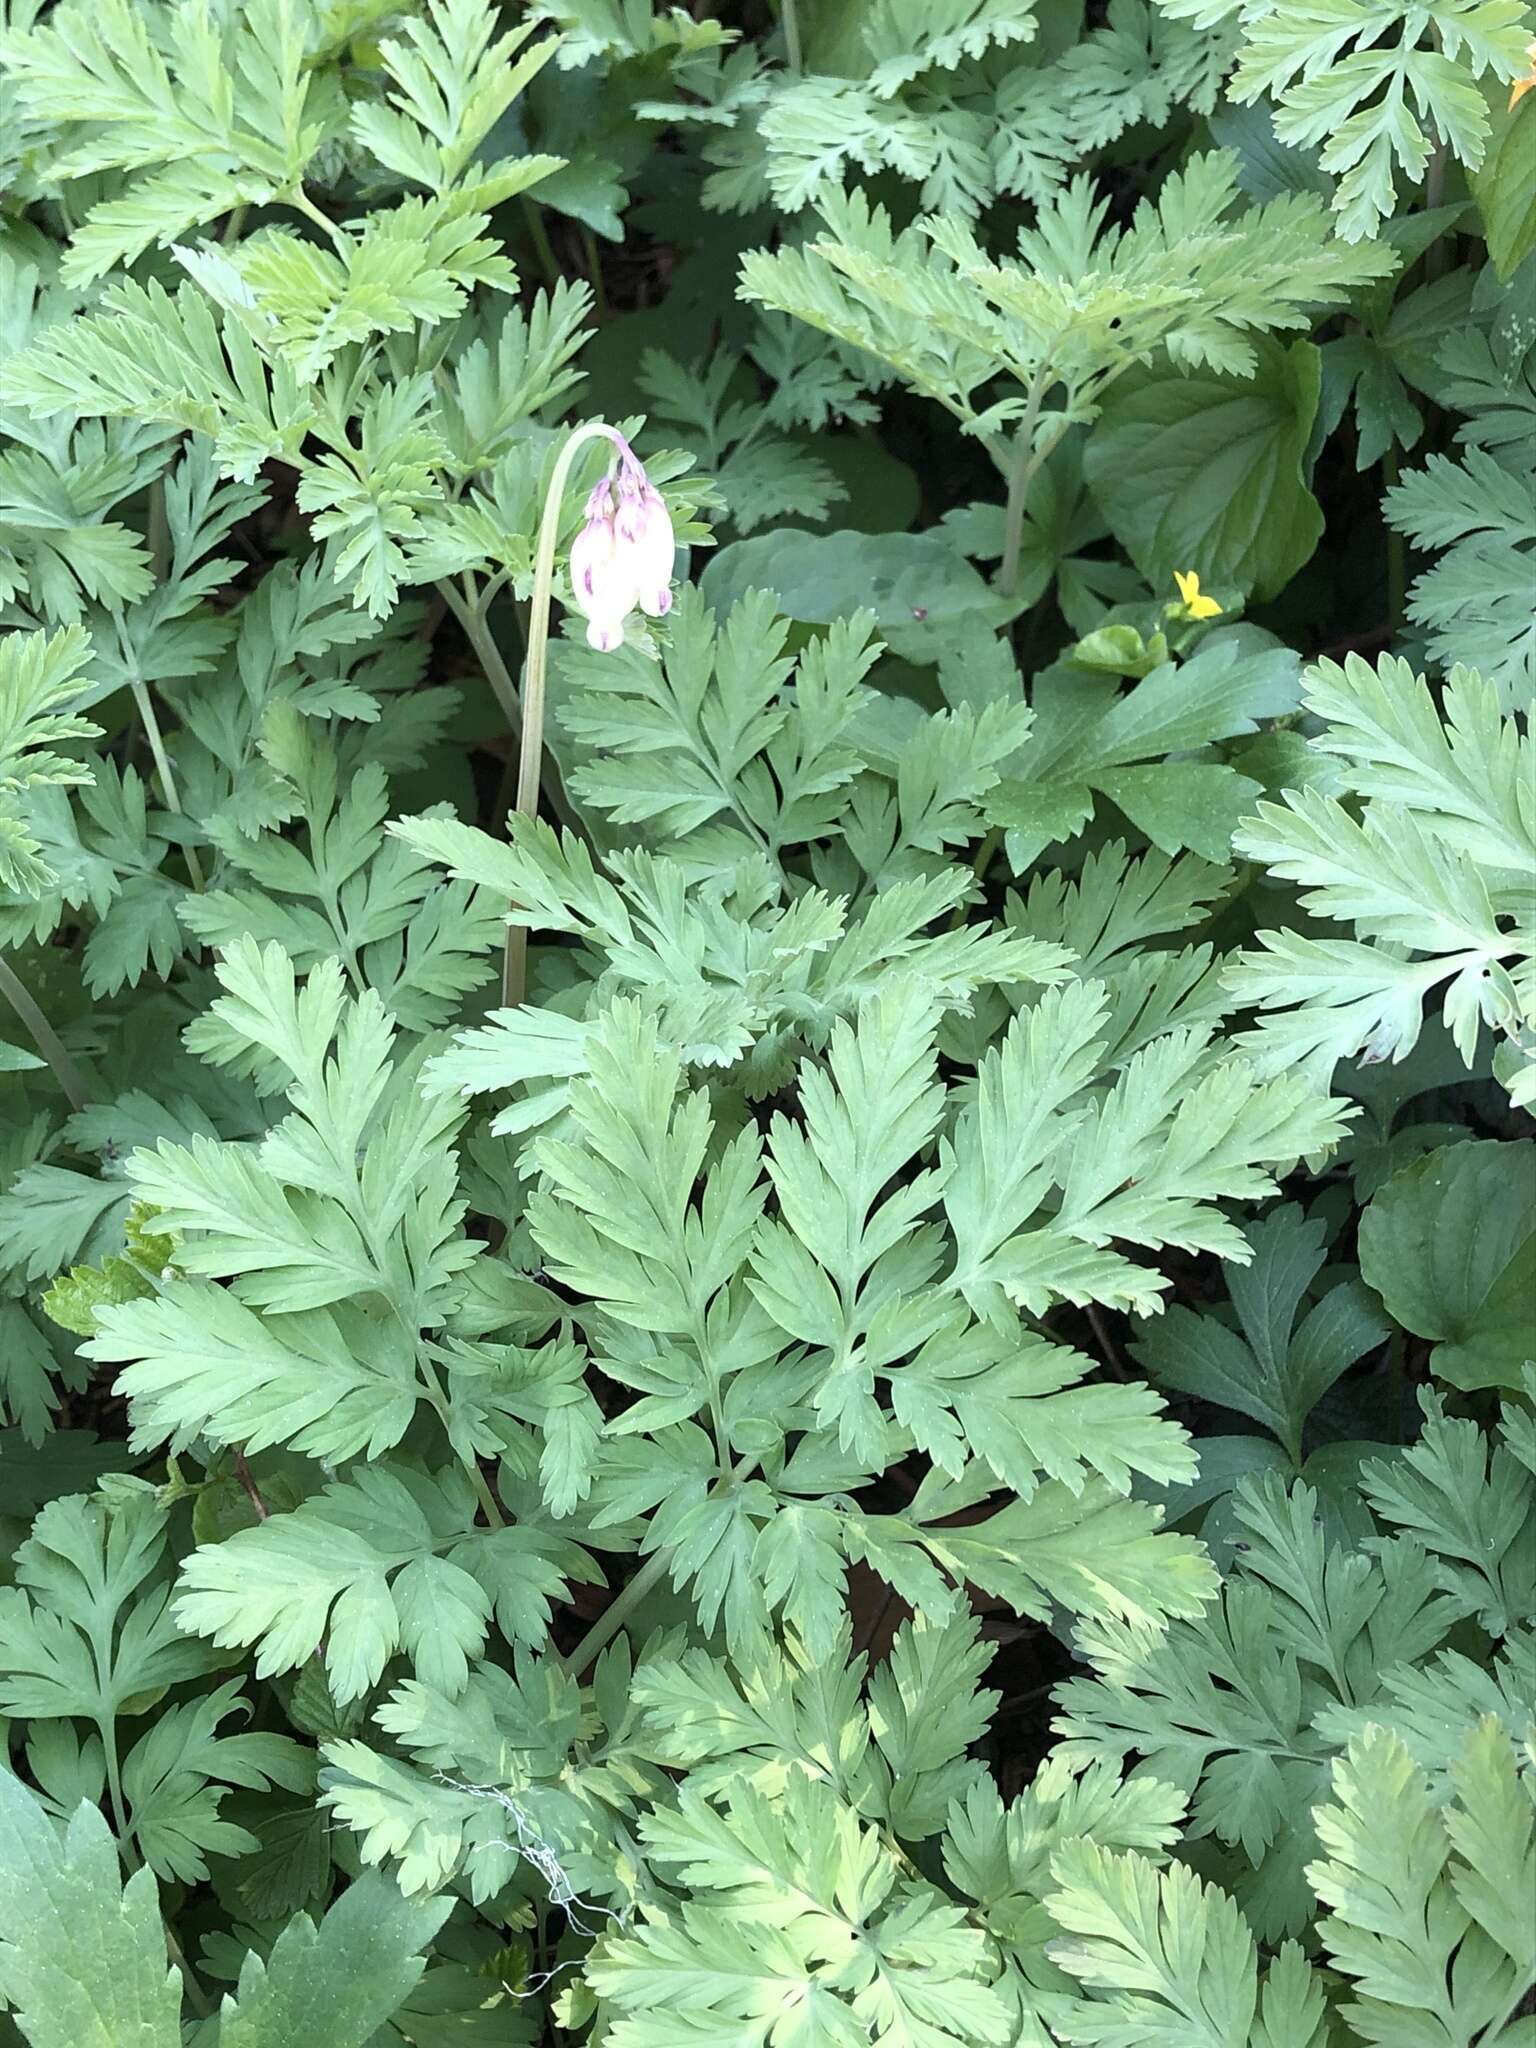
(622, 558)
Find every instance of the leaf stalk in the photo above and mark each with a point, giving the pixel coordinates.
(44, 1037)
(1021, 474)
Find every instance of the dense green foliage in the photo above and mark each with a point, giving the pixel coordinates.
(932, 1442)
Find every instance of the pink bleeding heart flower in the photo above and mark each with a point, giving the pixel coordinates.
(622, 558)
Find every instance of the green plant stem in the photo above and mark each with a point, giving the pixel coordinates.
(1434, 180)
(248, 1480)
(506, 786)
(1397, 555)
(159, 534)
(44, 1037)
(624, 1602)
(616, 1613)
(530, 755)
(589, 250)
(1021, 475)
(477, 631)
(1397, 1374)
(106, 1728)
(1109, 1350)
(168, 789)
(486, 1498)
(197, 1997)
(1436, 255)
(298, 198)
(789, 20)
(982, 859)
(539, 235)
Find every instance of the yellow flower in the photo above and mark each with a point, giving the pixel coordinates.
(1197, 606)
(1522, 86)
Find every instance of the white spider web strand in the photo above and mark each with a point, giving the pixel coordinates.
(586, 1917)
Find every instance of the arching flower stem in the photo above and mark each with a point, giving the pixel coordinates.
(514, 967)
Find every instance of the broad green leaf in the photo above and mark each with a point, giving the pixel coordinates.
(1469, 1502)
(358, 1570)
(1504, 185)
(1372, 91)
(332, 1985)
(900, 578)
(1089, 736)
(39, 679)
(196, 1359)
(1419, 1929)
(28, 1396)
(722, 1968)
(1180, 804)
(1171, 1960)
(68, 1461)
(87, 1627)
(82, 1955)
(1284, 1361)
(51, 1216)
(1450, 1246)
(1480, 512)
(1204, 471)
